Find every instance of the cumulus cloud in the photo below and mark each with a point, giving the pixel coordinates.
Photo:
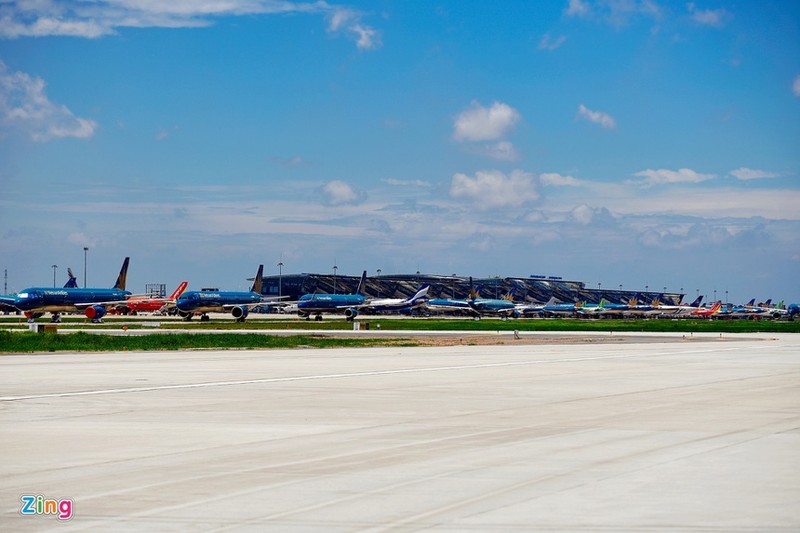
(103, 17)
(339, 193)
(577, 8)
(548, 43)
(480, 123)
(598, 117)
(707, 17)
(663, 176)
(494, 189)
(24, 107)
(557, 180)
(585, 215)
(745, 173)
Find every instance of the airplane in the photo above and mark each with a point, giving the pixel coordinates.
(36, 301)
(708, 313)
(529, 309)
(605, 308)
(554, 309)
(72, 282)
(681, 309)
(136, 304)
(449, 306)
(238, 303)
(503, 307)
(397, 305)
(317, 304)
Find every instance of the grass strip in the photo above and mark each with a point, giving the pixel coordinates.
(29, 342)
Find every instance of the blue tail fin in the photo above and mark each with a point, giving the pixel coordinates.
(123, 275)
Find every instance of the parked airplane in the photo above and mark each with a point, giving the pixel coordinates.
(605, 308)
(681, 309)
(530, 309)
(36, 301)
(554, 309)
(449, 306)
(136, 304)
(503, 307)
(397, 305)
(709, 312)
(317, 304)
(72, 282)
(238, 303)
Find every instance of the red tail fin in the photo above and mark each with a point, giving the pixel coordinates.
(177, 292)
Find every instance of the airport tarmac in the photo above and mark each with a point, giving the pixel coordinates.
(639, 436)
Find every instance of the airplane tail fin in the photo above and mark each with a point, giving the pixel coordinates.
(123, 275)
(179, 290)
(473, 293)
(258, 281)
(72, 282)
(751, 303)
(362, 283)
(551, 301)
(421, 293)
(696, 302)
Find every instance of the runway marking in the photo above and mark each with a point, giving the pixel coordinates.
(345, 375)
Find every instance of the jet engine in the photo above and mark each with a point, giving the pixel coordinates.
(95, 312)
(350, 313)
(240, 312)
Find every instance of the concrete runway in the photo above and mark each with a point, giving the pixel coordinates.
(678, 436)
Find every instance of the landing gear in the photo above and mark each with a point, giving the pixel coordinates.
(318, 318)
(204, 318)
(56, 318)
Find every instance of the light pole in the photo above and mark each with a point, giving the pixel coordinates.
(715, 295)
(380, 286)
(726, 295)
(280, 279)
(85, 251)
(54, 274)
(335, 268)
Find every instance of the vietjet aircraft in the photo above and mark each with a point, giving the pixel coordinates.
(237, 303)
(36, 301)
(707, 313)
(136, 304)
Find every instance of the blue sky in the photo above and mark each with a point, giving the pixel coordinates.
(621, 142)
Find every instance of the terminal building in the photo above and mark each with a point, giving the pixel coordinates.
(533, 289)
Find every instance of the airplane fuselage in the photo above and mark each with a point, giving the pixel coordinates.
(214, 301)
(315, 304)
(64, 300)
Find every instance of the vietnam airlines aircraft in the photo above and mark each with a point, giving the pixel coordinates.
(36, 301)
(317, 304)
(237, 303)
(503, 307)
(136, 304)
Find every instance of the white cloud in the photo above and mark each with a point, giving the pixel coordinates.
(707, 17)
(479, 123)
(546, 43)
(664, 176)
(598, 117)
(339, 193)
(557, 180)
(493, 189)
(577, 8)
(745, 173)
(24, 107)
(796, 86)
(103, 17)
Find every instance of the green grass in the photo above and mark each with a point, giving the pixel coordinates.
(29, 342)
